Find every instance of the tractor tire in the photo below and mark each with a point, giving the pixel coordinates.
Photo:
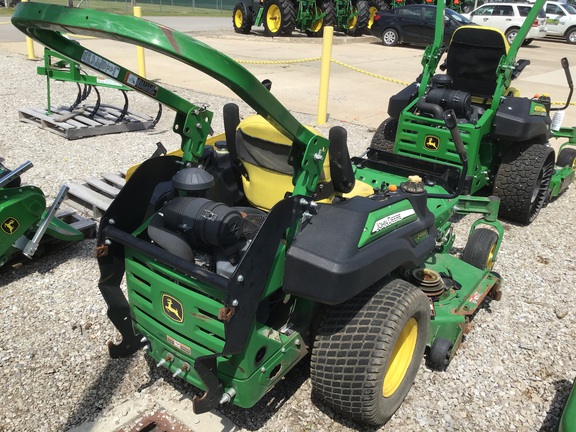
(511, 34)
(329, 19)
(467, 7)
(390, 37)
(356, 25)
(567, 157)
(522, 181)
(480, 247)
(373, 7)
(242, 19)
(527, 42)
(385, 135)
(571, 35)
(367, 350)
(279, 18)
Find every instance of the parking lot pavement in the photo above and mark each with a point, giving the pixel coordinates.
(354, 97)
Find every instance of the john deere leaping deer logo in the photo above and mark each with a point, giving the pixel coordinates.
(432, 143)
(173, 308)
(10, 226)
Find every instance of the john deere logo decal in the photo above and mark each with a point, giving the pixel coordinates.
(10, 226)
(173, 308)
(432, 142)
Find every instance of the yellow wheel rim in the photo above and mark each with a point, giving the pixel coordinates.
(573, 166)
(238, 18)
(316, 26)
(490, 260)
(273, 18)
(373, 11)
(354, 20)
(401, 358)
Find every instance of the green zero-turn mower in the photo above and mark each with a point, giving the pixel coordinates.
(506, 136)
(282, 17)
(26, 226)
(246, 252)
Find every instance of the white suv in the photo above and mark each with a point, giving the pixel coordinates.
(561, 20)
(509, 17)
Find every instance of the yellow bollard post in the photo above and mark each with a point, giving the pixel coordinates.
(140, 50)
(30, 46)
(325, 74)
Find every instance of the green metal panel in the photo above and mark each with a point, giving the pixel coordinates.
(20, 210)
(568, 419)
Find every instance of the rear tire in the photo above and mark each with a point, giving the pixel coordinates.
(390, 37)
(385, 135)
(241, 19)
(356, 26)
(511, 34)
(368, 350)
(373, 7)
(467, 8)
(522, 181)
(567, 157)
(329, 19)
(279, 18)
(480, 247)
(571, 36)
(527, 42)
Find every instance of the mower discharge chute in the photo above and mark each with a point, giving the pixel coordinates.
(268, 242)
(506, 136)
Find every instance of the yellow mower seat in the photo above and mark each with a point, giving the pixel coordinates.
(266, 178)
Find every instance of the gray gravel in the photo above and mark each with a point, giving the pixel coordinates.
(513, 372)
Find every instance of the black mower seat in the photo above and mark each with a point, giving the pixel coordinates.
(473, 58)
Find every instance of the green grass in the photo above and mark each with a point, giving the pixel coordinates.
(125, 8)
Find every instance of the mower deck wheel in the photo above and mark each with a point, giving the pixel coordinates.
(479, 250)
(567, 157)
(368, 350)
(522, 181)
(439, 354)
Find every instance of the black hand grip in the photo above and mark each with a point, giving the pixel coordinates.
(452, 124)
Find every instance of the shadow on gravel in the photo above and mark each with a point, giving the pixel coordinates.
(552, 419)
(20, 267)
(338, 418)
(252, 418)
(98, 396)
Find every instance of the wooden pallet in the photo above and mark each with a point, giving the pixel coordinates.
(93, 197)
(79, 123)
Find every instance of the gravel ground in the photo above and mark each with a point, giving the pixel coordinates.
(513, 372)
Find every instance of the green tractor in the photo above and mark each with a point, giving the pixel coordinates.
(281, 17)
(353, 16)
(506, 136)
(246, 252)
(26, 226)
